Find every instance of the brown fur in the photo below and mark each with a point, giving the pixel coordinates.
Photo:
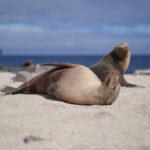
(117, 60)
(75, 84)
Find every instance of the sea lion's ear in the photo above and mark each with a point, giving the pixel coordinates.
(61, 65)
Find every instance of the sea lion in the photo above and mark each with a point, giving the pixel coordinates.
(73, 83)
(117, 60)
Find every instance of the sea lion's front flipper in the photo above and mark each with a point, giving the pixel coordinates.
(61, 65)
(124, 83)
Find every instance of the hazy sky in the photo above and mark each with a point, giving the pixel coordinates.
(73, 26)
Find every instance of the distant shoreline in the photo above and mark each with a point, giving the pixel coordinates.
(137, 61)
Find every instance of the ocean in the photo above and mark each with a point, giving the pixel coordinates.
(137, 61)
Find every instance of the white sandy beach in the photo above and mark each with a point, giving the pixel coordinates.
(124, 125)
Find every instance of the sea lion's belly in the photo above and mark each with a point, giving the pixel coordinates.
(78, 85)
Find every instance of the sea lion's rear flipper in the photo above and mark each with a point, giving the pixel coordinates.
(11, 91)
(61, 65)
(124, 83)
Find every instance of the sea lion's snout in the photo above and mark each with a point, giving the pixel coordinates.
(122, 50)
(122, 45)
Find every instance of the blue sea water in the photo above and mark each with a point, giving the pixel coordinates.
(137, 62)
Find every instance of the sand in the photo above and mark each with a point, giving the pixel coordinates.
(124, 125)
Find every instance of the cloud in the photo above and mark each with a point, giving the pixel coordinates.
(73, 27)
(58, 13)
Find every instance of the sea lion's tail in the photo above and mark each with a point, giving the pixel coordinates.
(11, 91)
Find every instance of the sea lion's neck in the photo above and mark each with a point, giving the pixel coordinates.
(126, 61)
(119, 62)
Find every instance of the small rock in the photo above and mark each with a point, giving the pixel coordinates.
(26, 63)
(7, 69)
(32, 138)
(142, 72)
(30, 69)
(23, 76)
(40, 69)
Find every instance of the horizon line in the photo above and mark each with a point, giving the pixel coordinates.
(65, 55)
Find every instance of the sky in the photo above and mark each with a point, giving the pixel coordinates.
(73, 27)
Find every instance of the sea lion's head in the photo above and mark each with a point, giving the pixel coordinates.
(122, 51)
(112, 87)
(121, 56)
